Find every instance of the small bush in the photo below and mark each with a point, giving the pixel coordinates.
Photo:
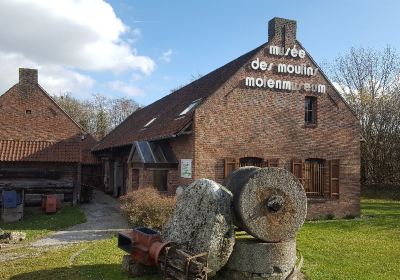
(330, 216)
(148, 208)
(349, 217)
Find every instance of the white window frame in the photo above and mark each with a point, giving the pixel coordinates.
(190, 107)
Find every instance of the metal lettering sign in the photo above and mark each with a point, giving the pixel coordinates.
(301, 69)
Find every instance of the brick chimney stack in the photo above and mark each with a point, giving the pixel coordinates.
(282, 32)
(28, 76)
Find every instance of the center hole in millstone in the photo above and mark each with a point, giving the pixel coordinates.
(275, 203)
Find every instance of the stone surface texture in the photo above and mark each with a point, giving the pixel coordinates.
(269, 203)
(240, 275)
(202, 222)
(271, 260)
(12, 237)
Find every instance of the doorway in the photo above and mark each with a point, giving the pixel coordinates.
(160, 180)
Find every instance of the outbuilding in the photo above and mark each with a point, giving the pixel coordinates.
(42, 150)
(272, 106)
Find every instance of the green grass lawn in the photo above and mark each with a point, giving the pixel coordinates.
(90, 260)
(366, 248)
(38, 224)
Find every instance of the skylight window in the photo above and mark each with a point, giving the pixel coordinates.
(190, 107)
(149, 123)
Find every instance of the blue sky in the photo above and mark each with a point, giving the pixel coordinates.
(204, 35)
(172, 41)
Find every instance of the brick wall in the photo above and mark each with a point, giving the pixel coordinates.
(250, 122)
(183, 147)
(145, 178)
(27, 113)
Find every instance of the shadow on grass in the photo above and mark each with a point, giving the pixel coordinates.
(381, 208)
(98, 271)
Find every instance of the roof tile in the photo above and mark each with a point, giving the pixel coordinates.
(168, 108)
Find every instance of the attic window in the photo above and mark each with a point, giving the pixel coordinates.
(190, 107)
(149, 123)
(28, 112)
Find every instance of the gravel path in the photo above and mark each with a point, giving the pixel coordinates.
(103, 220)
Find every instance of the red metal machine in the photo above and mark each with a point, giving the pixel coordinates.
(146, 247)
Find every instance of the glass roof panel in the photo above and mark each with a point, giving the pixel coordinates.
(190, 107)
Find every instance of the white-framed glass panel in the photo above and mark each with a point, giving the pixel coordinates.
(190, 107)
(150, 122)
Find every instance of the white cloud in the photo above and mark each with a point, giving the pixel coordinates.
(59, 80)
(120, 86)
(66, 37)
(166, 56)
(55, 79)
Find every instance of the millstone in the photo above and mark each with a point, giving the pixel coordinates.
(202, 222)
(262, 260)
(269, 203)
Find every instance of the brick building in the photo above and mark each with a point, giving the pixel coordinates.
(42, 150)
(272, 106)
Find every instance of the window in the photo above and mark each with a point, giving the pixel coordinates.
(310, 110)
(28, 112)
(319, 177)
(313, 177)
(149, 123)
(190, 107)
(251, 161)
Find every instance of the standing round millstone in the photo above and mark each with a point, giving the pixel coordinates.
(269, 203)
(202, 222)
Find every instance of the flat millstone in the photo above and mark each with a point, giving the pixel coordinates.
(269, 203)
(268, 260)
(202, 222)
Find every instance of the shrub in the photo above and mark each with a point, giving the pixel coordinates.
(330, 216)
(349, 217)
(147, 207)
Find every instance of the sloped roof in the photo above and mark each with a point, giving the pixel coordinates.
(167, 109)
(87, 157)
(48, 151)
(34, 128)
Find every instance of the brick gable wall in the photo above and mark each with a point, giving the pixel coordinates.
(239, 122)
(45, 122)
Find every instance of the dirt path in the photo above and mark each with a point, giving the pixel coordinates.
(103, 219)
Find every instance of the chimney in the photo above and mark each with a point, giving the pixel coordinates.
(282, 32)
(28, 76)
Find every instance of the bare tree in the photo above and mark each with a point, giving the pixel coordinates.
(76, 109)
(370, 82)
(99, 114)
(120, 109)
